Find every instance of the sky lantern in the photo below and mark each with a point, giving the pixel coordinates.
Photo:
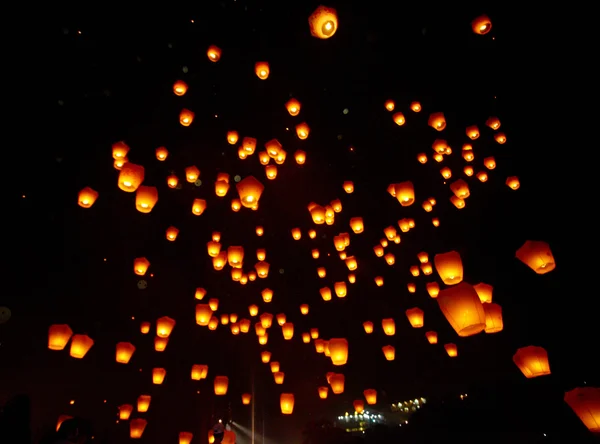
(172, 233)
(585, 403)
(120, 150)
(80, 345)
(145, 327)
(446, 172)
(338, 351)
(368, 326)
(293, 107)
(140, 266)
(405, 193)
(221, 188)
(389, 326)
(249, 190)
(323, 392)
(185, 437)
(500, 138)
(468, 170)
(323, 22)
(302, 130)
(359, 406)
(325, 293)
(411, 287)
(158, 375)
(379, 281)
(399, 119)
(432, 337)
(378, 250)
(296, 233)
(180, 87)
(213, 303)
(337, 383)
(172, 181)
(118, 163)
(262, 269)
(146, 198)
(59, 336)
(348, 186)
(249, 145)
(463, 309)
(87, 197)
(472, 132)
(192, 174)
(389, 105)
(262, 70)
(288, 330)
(351, 264)
(124, 352)
(213, 248)
(261, 254)
(253, 310)
(489, 162)
(274, 366)
(265, 356)
(286, 401)
(357, 225)
(266, 320)
(221, 384)
(160, 344)
(493, 318)
(481, 25)
(318, 214)
(199, 372)
(306, 337)
(513, 182)
(449, 267)
(340, 288)
(493, 123)
(433, 289)
(537, 256)
(460, 188)
(532, 361)
(143, 403)
(300, 157)
(213, 53)
(485, 292)
(304, 309)
(186, 117)
(131, 177)
(467, 153)
(437, 121)
(415, 107)
(164, 326)
(198, 206)
(451, 350)
(415, 317)
(246, 398)
(137, 427)
(232, 137)
(203, 314)
(278, 377)
(259, 231)
(370, 396)
(125, 411)
(389, 352)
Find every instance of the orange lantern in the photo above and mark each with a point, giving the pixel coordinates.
(415, 317)
(221, 384)
(337, 383)
(203, 314)
(493, 318)
(389, 326)
(323, 392)
(262, 70)
(120, 150)
(415, 107)
(451, 349)
(300, 157)
(125, 411)
(140, 266)
(185, 437)
(186, 117)
(80, 345)
(585, 402)
(180, 88)
(213, 53)
(485, 292)
(302, 130)
(124, 352)
(338, 351)
(137, 427)
(323, 22)
(359, 406)
(370, 396)
(481, 25)
(463, 309)
(437, 121)
(432, 337)
(537, 256)
(164, 326)
(172, 233)
(145, 198)
(198, 206)
(348, 186)
(160, 344)
(368, 326)
(249, 190)
(87, 197)
(286, 401)
(532, 361)
(389, 352)
(145, 328)
(246, 398)
(513, 182)
(158, 375)
(405, 193)
(288, 330)
(389, 105)
(59, 336)
(293, 107)
(493, 123)
(131, 177)
(449, 266)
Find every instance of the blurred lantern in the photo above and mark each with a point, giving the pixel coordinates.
(262, 70)
(389, 352)
(140, 266)
(158, 375)
(213, 53)
(164, 326)
(302, 130)
(87, 197)
(221, 383)
(585, 402)
(120, 150)
(493, 123)
(338, 350)
(137, 427)
(513, 182)
(370, 396)
(337, 383)
(323, 392)
(286, 401)
(246, 398)
(131, 177)
(389, 326)
(125, 411)
(300, 157)
(415, 317)
(293, 107)
(80, 345)
(198, 206)
(185, 437)
(532, 361)
(172, 233)
(124, 352)
(537, 256)
(451, 349)
(186, 117)
(145, 327)
(323, 22)
(463, 309)
(59, 336)
(389, 105)
(161, 153)
(180, 88)
(359, 406)
(399, 119)
(416, 107)
(437, 121)
(481, 25)
(145, 198)
(432, 337)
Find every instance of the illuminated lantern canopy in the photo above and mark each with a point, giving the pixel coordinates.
(145, 328)
(437, 121)
(286, 401)
(338, 351)
(532, 361)
(585, 402)
(192, 174)
(87, 197)
(221, 385)
(203, 314)
(185, 437)
(370, 396)
(172, 233)
(232, 137)
(158, 375)
(137, 427)
(463, 309)
(359, 406)
(389, 105)
(198, 206)
(124, 352)
(120, 150)
(451, 349)
(80, 345)
(293, 107)
(302, 130)
(472, 132)
(337, 383)
(537, 256)
(58, 336)
(493, 318)
(405, 193)
(213, 53)
(125, 411)
(389, 352)
(432, 337)
(481, 25)
(493, 123)
(449, 267)
(246, 398)
(323, 392)
(262, 70)
(180, 88)
(164, 326)
(389, 326)
(146, 198)
(131, 177)
(186, 117)
(140, 266)
(161, 153)
(323, 22)
(415, 317)
(249, 190)
(399, 119)
(300, 157)
(513, 182)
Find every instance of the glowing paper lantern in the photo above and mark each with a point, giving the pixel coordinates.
(323, 22)
(532, 361)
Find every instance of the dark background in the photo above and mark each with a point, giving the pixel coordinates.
(108, 76)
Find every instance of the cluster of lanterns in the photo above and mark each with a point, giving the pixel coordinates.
(469, 309)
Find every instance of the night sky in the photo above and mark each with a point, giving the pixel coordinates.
(110, 79)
